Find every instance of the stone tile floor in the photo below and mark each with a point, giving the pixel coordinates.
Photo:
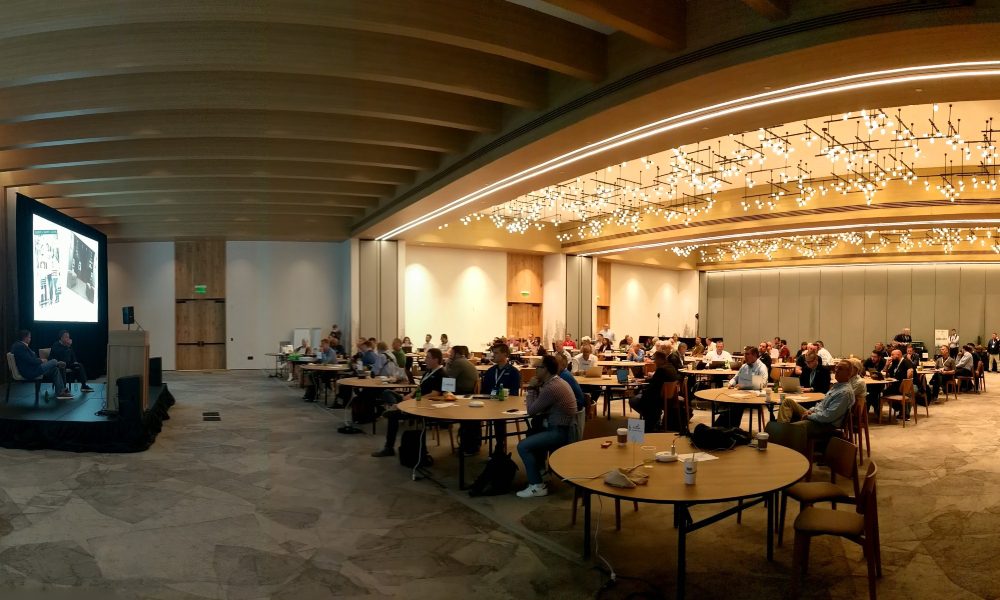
(270, 502)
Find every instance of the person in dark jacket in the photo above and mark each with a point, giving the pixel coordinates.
(30, 366)
(815, 376)
(62, 351)
(649, 402)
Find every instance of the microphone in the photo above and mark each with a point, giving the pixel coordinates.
(657, 315)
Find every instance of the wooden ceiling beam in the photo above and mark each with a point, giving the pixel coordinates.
(207, 148)
(774, 10)
(270, 48)
(154, 185)
(490, 26)
(228, 91)
(206, 168)
(657, 22)
(248, 200)
(235, 123)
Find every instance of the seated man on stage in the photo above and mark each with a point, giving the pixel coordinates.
(824, 418)
(62, 351)
(32, 367)
(430, 387)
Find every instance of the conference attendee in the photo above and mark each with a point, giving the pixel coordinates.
(304, 348)
(428, 342)
(407, 343)
(502, 374)
(718, 354)
(466, 375)
(585, 360)
(964, 365)
(784, 352)
(398, 353)
(636, 353)
(825, 418)
(324, 356)
(649, 401)
(607, 333)
(875, 362)
(858, 380)
(445, 345)
(430, 388)
(774, 349)
(625, 343)
(911, 355)
(30, 366)
(698, 349)
(388, 361)
(899, 368)
(568, 342)
(581, 398)
(882, 350)
(709, 345)
(62, 351)
(815, 376)
(337, 346)
(567, 352)
(334, 332)
(993, 351)
(903, 337)
(752, 374)
(824, 354)
(549, 395)
(802, 350)
(953, 343)
(765, 355)
(944, 367)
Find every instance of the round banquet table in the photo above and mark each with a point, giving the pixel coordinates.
(333, 369)
(609, 383)
(620, 363)
(743, 473)
(367, 386)
(750, 399)
(496, 412)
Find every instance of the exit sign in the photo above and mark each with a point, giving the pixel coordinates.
(201, 289)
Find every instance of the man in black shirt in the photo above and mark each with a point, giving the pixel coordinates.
(993, 350)
(899, 368)
(875, 362)
(649, 403)
(430, 387)
(904, 337)
(62, 350)
(815, 376)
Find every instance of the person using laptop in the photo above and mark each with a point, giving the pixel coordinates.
(875, 362)
(585, 360)
(964, 364)
(718, 354)
(30, 366)
(815, 376)
(568, 342)
(324, 356)
(430, 388)
(822, 420)
(751, 376)
(62, 351)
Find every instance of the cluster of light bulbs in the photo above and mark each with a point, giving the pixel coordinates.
(864, 151)
(943, 239)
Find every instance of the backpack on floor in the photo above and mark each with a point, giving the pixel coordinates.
(497, 477)
(719, 438)
(413, 449)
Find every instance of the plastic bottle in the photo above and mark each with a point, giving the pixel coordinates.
(416, 395)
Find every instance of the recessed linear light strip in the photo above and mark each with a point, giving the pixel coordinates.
(714, 272)
(795, 230)
(788, 94)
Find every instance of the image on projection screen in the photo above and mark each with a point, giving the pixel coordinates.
(65, 273)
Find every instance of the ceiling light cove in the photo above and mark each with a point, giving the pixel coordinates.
(870, 79)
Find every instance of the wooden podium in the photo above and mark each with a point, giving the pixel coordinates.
(128, 354)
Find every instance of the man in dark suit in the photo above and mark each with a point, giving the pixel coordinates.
(32, 367)
(62, 351)
(903, 337)
(899, 368)
(815, 376)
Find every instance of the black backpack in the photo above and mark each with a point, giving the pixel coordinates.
(719, 438)
(497, 477)
(413, 449)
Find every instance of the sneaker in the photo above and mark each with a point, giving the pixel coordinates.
(86, 388)
(534, 490)
(65, 395)
(384, 452)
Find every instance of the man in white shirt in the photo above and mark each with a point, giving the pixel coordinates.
(709, 345)
(753, 374)
(584, 360)
(824, 354)
(718, 354)
(428, 343)
(607, 333)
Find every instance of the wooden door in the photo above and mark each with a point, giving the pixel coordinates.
(524, 319)
(201, 334)
(603, 315)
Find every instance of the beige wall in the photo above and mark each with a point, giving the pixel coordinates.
(850, 308)
(638, 293)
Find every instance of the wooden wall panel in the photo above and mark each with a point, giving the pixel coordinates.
(524, 274)
(523, 319)
(831, 291)
(201, 262)
(602, 291)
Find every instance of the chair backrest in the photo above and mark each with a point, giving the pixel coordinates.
(526, 374)
(789, 435)
(906, 387)
(669, 391)
(866, 503)
(841, 456)
(576, 434)
(775, 373)
(43, 353)
(981, 368)
(12, 365)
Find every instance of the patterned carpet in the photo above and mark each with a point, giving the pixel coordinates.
(270, 502)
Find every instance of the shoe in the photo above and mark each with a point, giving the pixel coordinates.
(86, 388)
(471, 452)
(308, 399)
(65, 395)
(289, 378)
(384, 452)
(534, 490)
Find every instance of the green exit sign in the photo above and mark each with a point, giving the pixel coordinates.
(201, 289)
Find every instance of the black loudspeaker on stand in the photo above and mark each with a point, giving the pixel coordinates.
(128, 315)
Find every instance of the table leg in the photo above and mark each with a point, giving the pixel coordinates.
(500, 435)
(682, 549)
(586, 523)
(771, 501)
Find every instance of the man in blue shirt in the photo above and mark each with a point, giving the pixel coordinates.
(751, 376)
(31, 367)
(824, 418)
(502, 374)
(581, 398)
(325, 356)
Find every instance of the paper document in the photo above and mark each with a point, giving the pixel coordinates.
(698, 457)
(443, 405)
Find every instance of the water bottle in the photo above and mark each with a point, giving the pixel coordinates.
(416, 395)
(503, 394)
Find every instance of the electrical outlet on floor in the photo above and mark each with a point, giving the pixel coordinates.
(249, 358)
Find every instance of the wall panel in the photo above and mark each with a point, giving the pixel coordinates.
(808, 304)
(731, 311)
(788, 306)
(991, 321)
(947, 281)
(852, 312)
(922, 290)
(830, 300)
(524, 274)
(711, 315)
(898, 311)
(972, 303)
(876, 297)
(768, 305)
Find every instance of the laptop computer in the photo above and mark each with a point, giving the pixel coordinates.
(790, 384)
(593, 372)
(717, 364)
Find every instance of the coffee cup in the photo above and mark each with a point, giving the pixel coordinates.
(762, 438)
(690, 471)
(622, 436)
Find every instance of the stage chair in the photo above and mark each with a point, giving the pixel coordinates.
(15, 375)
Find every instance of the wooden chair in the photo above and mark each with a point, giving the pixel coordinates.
(840, 455)
(950, 384)
(859, 425)
(981, 376)
(970, 378)
(775, 374)
(860, 527)
(671, 395)
(906, 396)
(15, 375)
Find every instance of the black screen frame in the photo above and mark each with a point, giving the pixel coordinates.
(90, 340)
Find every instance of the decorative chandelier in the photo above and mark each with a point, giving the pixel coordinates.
(853, 153)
